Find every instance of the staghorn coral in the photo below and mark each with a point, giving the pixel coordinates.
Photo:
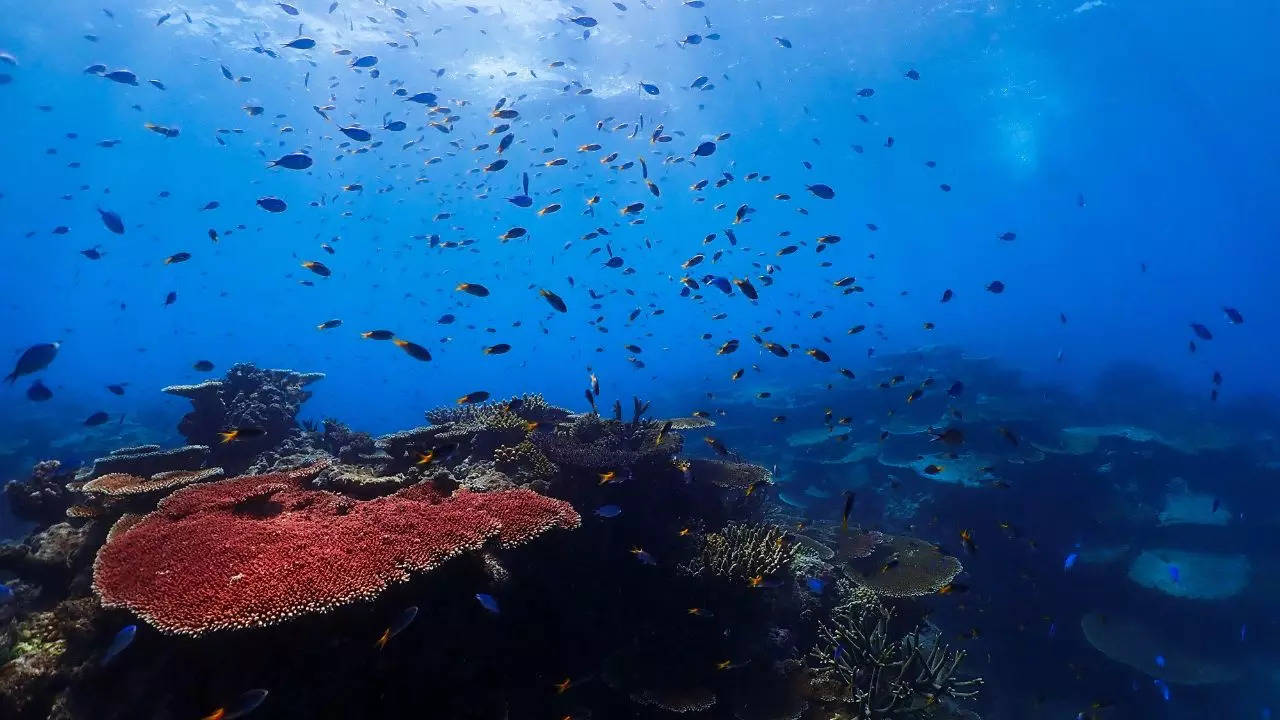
(741, 552)
(858, 663)
(902, 566)
(145, 461)
(259, 550)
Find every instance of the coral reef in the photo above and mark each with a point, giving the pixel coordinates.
(590, 442)
(146, 461)
(43, 495)
(117, 485)
(347, 445)
(726, 474)
(879, 674)
(259, 550)
(900, 566)
(246, 397)
(743, 552)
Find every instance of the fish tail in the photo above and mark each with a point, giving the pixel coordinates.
(228, 436)
(12, 377)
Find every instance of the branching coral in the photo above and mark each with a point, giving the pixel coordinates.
(524, 456)
(741, 552)
(881, 677)
(599, 445)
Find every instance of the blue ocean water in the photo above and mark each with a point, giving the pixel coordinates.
(1125, 149)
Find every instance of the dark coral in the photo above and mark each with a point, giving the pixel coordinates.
(247, 397)
(347, 445)
(145, 461)
(43, 496)
(590, 442)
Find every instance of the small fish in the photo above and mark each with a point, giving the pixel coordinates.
(203, 365)
(1174, 574)
(488, 602)
(97, 418)
(117, 389)
(37, 392)
(401, 622)
(243, 705)
(243, 433)
(414, 350)
(1233, 315)
(643, 556)
(849, 496)
(473, 289)
(318, 268)
(608, 511)
(329, 324)
(1201, 331)
(112, 221)
(1070, 561)
(377, 334)
(473, 397)
(822, 191)
(123, 638)
(272, 204)
(966, 541)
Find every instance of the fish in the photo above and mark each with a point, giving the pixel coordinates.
(472, 289)
(119, 642)
(37, 392)
(318, 268)
(643, 556)
(203, 365)
(1201, 331)
(292, 161)
(33, 360)
(1070, 561)
(241, 433)
(499, 349)
(473, 397)
(716, 445)
(117, 388)
(112, 221)
(995, 287)
(821, 191)
(608, 511)
(966, 541)
(97, 418)
(272, 204)
(329, 324)
(414, 350)
(849, 496)
(241, 706)
(377, 335)
(488, 602)
(397, 626)
(1233, 315)
(1174, 574)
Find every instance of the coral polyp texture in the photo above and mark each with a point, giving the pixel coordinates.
(741, 552)
(259, 550)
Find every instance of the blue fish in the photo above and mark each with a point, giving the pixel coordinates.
(1173, 573)
(6, 593)
(1070, 561)
(608, 511)
(122, 640)
(1164, 688)
(1159, 661)
(488, 602)
(838, 653)
(815, 585)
